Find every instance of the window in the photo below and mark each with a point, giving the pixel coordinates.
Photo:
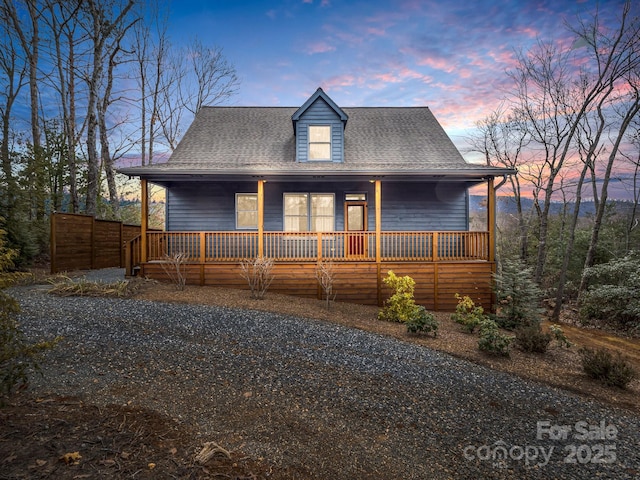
(319, 142)
(309, 212)
(355, 197)
(246, 210)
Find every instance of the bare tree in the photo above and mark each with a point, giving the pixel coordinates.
(62, 26)
(151, 49)
(106, 20)
(555, 100)
(196, 76)
(502, 139)
(14, 72)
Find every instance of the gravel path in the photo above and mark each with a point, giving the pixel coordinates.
(320, 400)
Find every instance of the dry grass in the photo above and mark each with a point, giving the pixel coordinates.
(558, 367)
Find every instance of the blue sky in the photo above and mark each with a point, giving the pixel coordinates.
(448, 55)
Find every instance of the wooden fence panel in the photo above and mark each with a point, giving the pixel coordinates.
(80, 242)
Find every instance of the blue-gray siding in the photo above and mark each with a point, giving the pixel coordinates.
(406, 206)
(319, 113)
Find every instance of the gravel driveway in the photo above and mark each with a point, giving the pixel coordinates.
(320, 400)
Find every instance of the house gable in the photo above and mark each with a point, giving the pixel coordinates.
(318, 126)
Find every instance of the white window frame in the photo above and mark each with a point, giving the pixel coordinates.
(309, 143)
(256, 210)
(309, 210)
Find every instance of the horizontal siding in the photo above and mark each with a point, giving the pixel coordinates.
(405, 206)
(320, 113)
(204, 205)
(436, 283)
(411, 206)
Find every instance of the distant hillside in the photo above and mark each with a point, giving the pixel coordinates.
(507, 205)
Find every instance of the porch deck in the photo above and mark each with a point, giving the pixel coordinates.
(442, 263)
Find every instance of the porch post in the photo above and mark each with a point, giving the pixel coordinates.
(491, 226)
(260, 218)
(378, 200)
(378, 220)
(144, 219)
(491, 219)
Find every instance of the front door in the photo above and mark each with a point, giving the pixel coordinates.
(355, 222)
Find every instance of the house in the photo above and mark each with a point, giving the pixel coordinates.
(369, 189)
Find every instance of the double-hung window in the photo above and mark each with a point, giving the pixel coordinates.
(319, 142)
(246, 211)
(309, 212)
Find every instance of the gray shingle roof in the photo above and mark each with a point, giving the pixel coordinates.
(377, 140)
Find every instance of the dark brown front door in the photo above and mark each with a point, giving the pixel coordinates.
(355, 222)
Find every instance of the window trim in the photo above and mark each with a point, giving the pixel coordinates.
(309, 143)
(309, 196)
(255, 194)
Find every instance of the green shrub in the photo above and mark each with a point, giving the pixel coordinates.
(559, 336)
(614, 292)
(422, 322)
(518, 296)
(401, 306)
(531, 338)
(468, 314)
(491, 340)
(603, 366)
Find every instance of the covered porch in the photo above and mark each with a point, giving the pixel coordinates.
(443, 263)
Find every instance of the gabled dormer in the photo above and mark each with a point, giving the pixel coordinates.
(319, 129)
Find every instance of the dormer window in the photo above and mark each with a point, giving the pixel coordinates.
(319, 142)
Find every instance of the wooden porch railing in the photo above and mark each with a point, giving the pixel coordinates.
(204, 247)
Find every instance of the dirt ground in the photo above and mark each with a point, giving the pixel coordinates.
(40, 437)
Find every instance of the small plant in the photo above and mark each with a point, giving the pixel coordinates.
(173, 266)
(559, 336)
(401, 306)
(611, 370)
(491, 340)
(67, 287)
(258, 274)
(518, 296)
(532, 339)
(468, 314)
(423, 322)
(326, 276)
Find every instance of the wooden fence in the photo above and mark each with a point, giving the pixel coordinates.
(82, 242)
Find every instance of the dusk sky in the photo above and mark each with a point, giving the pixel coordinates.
(448, 55)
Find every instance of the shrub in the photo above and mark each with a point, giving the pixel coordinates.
(173, 266)
(326, 277)
(258, 274)
(423, 322)
(559, 336)
(531, 338)
(491, 340)
(401, 306)
(614, 292)
(518, 296)
(468, 314)
(67, 287)
(611, 370)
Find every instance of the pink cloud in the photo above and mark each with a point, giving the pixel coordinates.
(319, 47)
(376, 31)
(443, 64)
